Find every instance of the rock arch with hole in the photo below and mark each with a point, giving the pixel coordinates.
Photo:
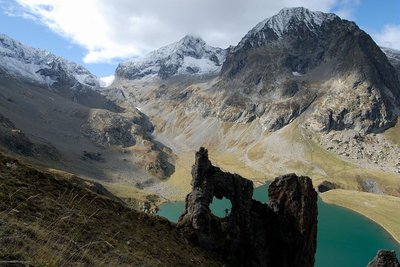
(280, 233)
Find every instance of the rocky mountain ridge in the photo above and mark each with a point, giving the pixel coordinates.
(189, 56)
(293, 62)
(41, 66)
(52, 112)
(282, 23)
(300, 57)
(305, 80)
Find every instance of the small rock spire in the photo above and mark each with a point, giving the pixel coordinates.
(384, 258)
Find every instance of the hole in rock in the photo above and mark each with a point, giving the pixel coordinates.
(221, 207)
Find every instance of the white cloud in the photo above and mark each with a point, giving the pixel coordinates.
(106, 80)
(389, 36)
(119, 29)
(345, 13)
(345, 8)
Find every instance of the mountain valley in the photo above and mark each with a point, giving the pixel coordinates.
(78, 129)
(329, 117)
(303, 92)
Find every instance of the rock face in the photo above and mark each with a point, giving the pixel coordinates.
(299, 56)
(107, 128)
(282, 233)
(294, 200)
(384, 258)
(40, 67)
(189, 56)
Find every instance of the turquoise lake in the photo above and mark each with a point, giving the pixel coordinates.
(345, 238)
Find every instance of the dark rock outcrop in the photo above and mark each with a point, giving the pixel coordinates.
(326, 186)
(384, 258)
(281, 233)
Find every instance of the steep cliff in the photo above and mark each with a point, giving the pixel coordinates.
(299, 57)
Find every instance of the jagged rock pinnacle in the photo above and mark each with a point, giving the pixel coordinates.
(282, 233)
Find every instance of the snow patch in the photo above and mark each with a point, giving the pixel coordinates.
(295, 73)
(199, 65)
(39, 65)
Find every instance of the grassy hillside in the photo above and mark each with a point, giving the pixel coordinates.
(49, 219)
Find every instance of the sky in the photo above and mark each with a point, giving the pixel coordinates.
(101, 33)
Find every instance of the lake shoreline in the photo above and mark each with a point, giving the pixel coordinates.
(390, 233)
(351, 236)
(366, 216)
(259, 183)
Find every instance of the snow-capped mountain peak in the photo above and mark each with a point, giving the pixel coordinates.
(391, 53)
(41, 66)
(281, 22)
(187, 45)
(287, 19)
(189, 56)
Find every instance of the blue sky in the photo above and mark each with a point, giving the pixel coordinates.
(39, 36)
(373, 15)
(102, 33)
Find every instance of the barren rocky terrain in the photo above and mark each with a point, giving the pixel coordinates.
(104, 143)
